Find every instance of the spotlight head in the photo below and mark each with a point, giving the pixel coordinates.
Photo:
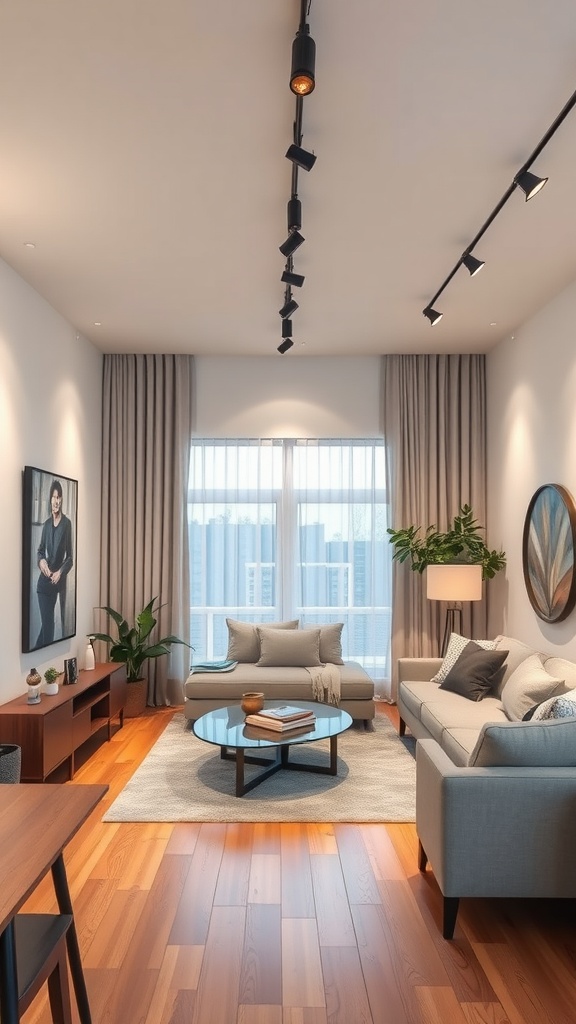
(291, 244)
(472, 264)
(296, 280)
(530, 184)
(301, 157)
(294, 214)
(285, 346)
(432, 315)
(288, 308)
(286, 328)
(303, 63)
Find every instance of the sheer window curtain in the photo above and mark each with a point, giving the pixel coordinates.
(434, 423)
(286, 528)
(147, 426)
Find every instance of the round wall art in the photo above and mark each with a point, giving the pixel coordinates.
(548, 547)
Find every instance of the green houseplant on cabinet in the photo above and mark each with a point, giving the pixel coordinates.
(131, 647)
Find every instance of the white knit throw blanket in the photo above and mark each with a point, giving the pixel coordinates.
(325, 683)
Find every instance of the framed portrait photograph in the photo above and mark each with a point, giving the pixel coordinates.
(49, 530)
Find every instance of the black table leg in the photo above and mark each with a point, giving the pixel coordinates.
(65, 907)
(8, 976)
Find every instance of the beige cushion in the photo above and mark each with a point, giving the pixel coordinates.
(243, 639)
(330, 642)
(456, 645)
(562, 669)
(287, 684)
(529, 684)
(278, 647)
(517, 653)
(526, 745)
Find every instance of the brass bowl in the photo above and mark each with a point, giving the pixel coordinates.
(252, 703)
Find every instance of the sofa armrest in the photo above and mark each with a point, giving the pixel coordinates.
(496, 831)
(417, 669)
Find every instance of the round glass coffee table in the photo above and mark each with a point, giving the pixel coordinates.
(226, 728)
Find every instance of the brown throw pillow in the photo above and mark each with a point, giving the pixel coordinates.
(475, 673)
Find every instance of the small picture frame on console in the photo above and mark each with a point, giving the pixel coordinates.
(70, 671)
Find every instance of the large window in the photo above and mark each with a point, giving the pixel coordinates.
(290, 529)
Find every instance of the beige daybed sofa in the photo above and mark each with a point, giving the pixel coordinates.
(284, 663)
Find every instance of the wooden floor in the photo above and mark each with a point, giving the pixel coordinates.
(293, 924)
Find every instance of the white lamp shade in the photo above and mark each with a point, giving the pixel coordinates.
(454, 582)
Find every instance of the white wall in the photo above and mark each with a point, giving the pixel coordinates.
(50, 417)
(280, 396)
(531, 441)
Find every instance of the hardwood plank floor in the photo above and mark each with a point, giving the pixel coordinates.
(193, 923)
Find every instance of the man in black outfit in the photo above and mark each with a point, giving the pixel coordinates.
(54, 562)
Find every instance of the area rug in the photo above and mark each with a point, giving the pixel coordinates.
(184, 779)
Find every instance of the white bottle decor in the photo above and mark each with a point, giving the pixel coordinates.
(89, 659)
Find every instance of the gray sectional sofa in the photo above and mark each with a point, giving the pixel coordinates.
(495, 795)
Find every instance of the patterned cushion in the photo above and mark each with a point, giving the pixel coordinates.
(456, 645)
(554, 707)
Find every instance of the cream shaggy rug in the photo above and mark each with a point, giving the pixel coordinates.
(184, 779)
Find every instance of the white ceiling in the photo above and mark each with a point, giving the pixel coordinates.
(142, 150)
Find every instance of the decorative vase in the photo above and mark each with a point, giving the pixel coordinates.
(34, 683)
(89, 659)
(136, 694)
(10, 760)
(252, 703)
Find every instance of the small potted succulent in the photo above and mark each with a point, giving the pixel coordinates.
(51, 676)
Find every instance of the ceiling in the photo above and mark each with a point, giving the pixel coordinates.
(142, 152)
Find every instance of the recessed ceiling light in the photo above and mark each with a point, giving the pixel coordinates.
(493, 323)
(97, 323)
(29, 245)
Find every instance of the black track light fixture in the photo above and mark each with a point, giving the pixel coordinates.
(289, 307)
(291, 244)
(473, 266)
(295, 280)
(433, 315)
(301, 157)
(303, 63)
(529, 183)
(285, 346)
(294, 212)
(286, 328)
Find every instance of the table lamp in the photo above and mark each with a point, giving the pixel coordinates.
(454, 584)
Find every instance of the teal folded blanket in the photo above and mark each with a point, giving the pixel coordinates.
(213, 666)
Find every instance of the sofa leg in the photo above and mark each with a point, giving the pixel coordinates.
(401, 727)
(450, 913)
(422, 858)
(368, 725)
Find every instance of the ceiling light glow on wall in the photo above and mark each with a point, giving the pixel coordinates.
(530, 184)
(303, 63)
(301, 157)
(472, 264)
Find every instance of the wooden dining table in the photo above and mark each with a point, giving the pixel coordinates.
(36, 823)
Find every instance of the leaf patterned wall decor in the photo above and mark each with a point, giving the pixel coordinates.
(548, 547)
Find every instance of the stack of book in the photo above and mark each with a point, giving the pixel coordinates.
(282, 719)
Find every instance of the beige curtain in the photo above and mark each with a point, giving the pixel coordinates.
(434, 425)
(147, 427)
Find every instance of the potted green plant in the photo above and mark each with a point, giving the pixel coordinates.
(131, 647)
(51, 677)
(461, 544)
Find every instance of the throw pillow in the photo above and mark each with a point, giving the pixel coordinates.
(529, 684)
(526, 745)
(330, 642)
(475, 672)
(456, 645)
(555, 707)
(299, 648)
(243, 639)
